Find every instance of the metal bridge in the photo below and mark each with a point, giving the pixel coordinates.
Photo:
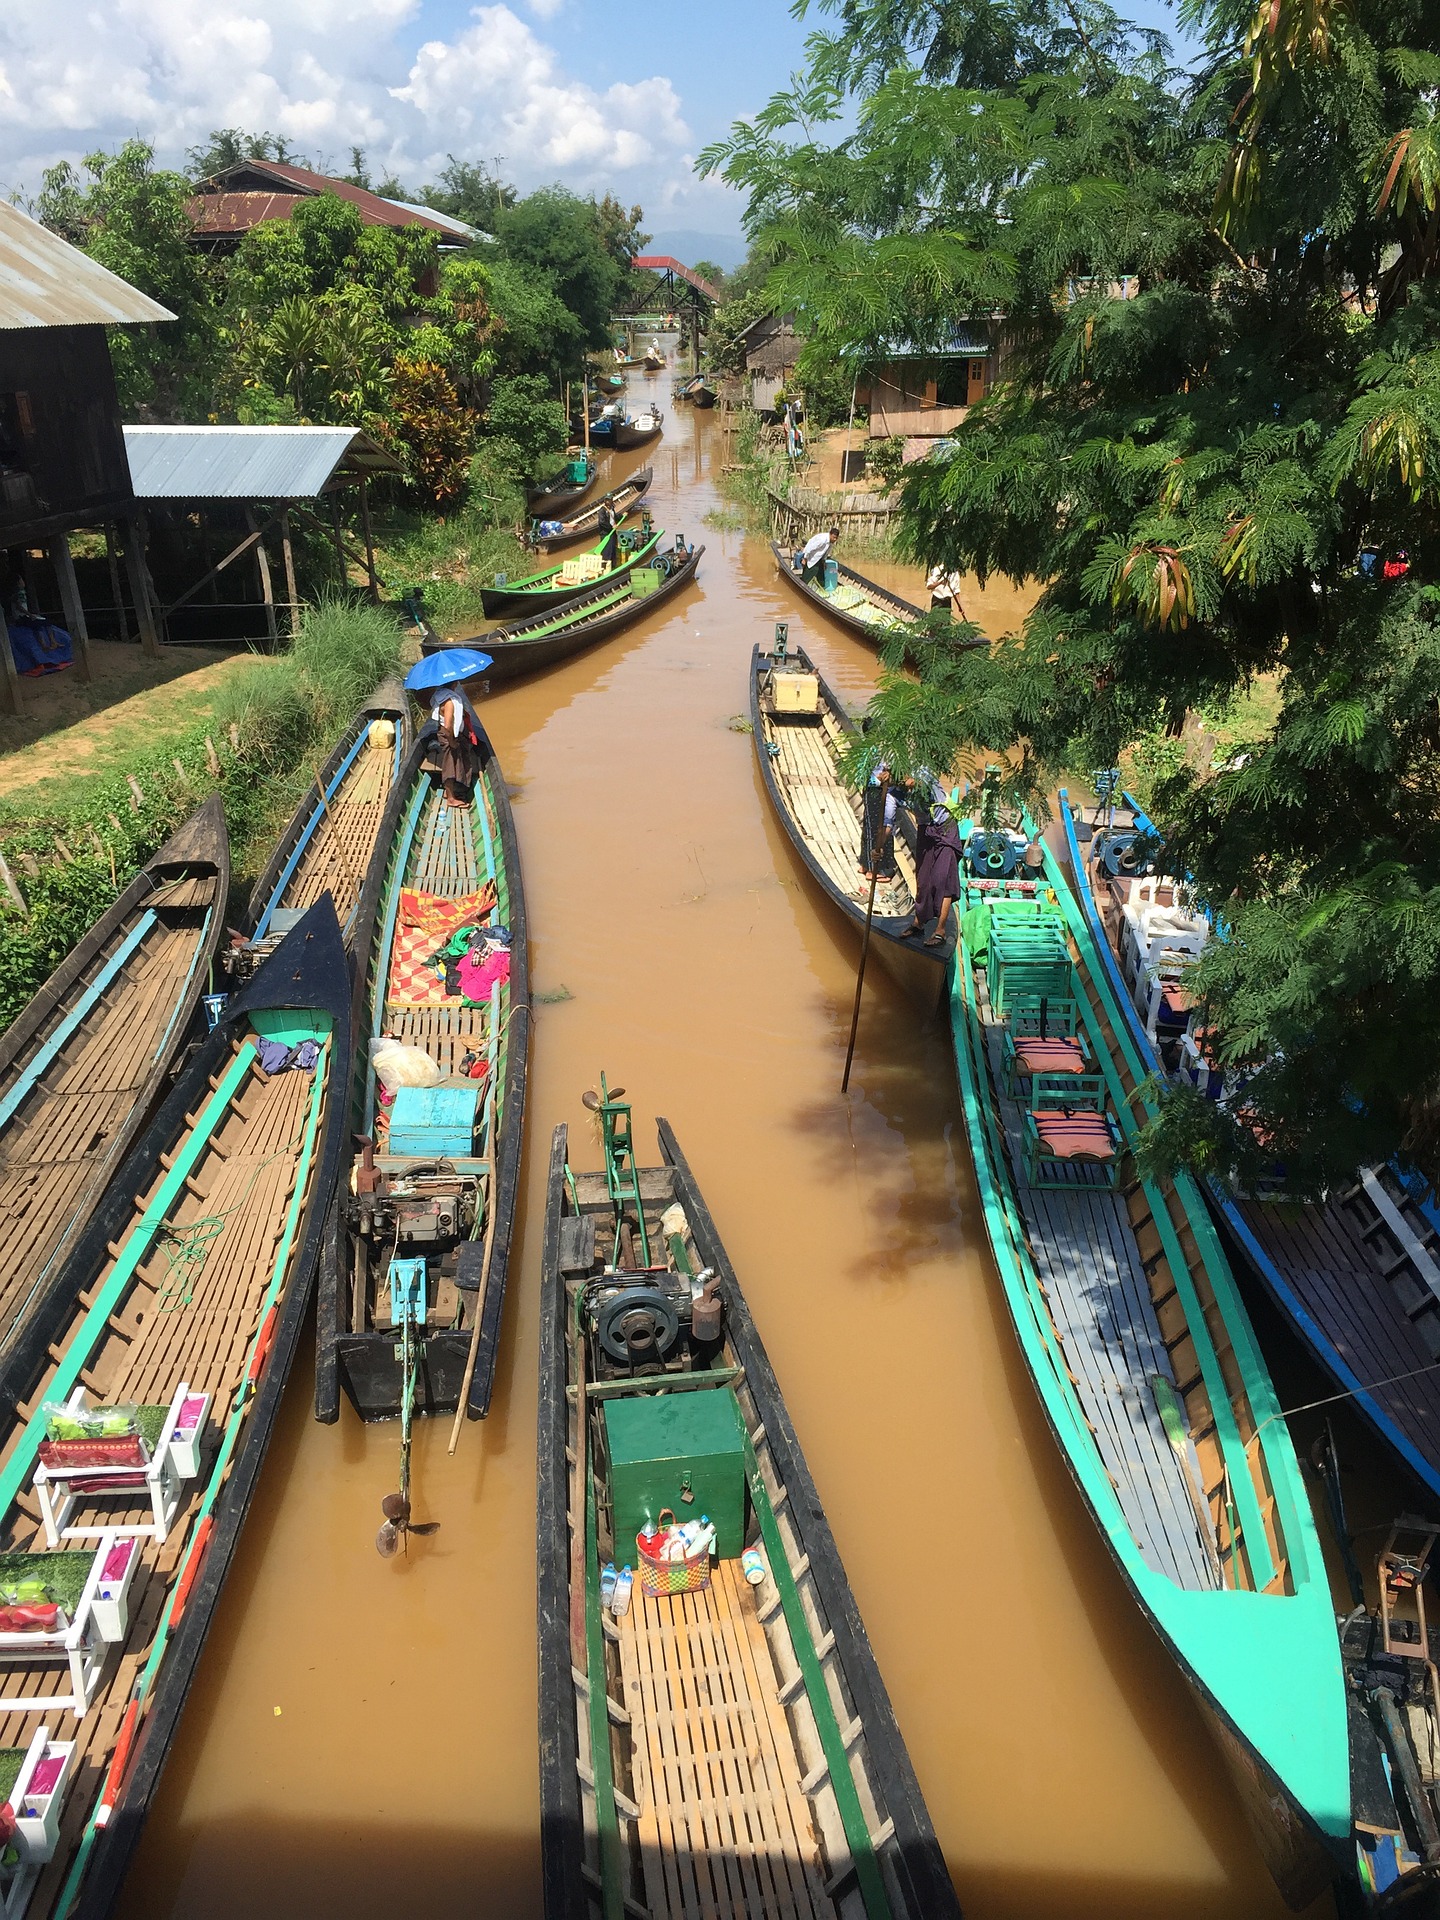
(672, 270)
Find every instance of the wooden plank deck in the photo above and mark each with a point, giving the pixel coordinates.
(189, 1314)
(338, 857)
(1375, 1312)
(56, 1153)
(724, 1825)
(828, 812)
(1104, 1315)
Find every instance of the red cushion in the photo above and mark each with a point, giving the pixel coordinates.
(1074, 1136)
(1049, 1056)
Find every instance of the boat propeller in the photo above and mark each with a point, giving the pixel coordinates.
(398, 1525)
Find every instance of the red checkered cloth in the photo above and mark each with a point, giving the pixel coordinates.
(424, 925)
(1049, 1056)
(413, 981)
(1074, 1136)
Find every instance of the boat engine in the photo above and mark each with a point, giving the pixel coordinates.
(647, 1321)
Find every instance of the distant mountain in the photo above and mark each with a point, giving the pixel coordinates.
(727, 250)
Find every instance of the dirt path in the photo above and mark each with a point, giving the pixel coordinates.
(133, 705)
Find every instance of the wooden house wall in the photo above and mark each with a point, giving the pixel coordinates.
(62, 452)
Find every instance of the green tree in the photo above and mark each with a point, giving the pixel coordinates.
(469, 190)
(131, 217)
(1220, 392)
(525, 426)
(228, 146)
(558, 234)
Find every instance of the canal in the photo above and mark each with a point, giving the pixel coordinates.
(360, 1739)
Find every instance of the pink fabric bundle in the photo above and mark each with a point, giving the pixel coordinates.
(477, 977)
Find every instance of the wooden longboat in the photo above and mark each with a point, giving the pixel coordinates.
(639, 430)
(730, 1751)
(554, 498)
(869, 611)
(621, 500)
(1357, 1274)
(545, 589)
(1142, 1354)
(799, 755)
(456, 1216)
(546, 638)
(193, 1273)
(83, 1065)
(331, 836)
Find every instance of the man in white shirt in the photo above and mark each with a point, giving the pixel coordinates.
(816, 553)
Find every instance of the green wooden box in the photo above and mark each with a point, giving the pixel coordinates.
(660, 1444)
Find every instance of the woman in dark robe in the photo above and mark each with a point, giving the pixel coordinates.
(937, 870)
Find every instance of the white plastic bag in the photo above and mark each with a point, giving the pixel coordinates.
(397, 1065)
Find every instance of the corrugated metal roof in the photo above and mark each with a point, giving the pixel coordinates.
(246, 463)
(461, 229)
(45, 282)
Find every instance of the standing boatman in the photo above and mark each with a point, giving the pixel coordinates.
(816, 552)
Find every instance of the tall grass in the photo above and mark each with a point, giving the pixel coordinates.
(451, 557)
(72, 845)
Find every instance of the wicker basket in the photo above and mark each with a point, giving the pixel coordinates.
(671, 1576)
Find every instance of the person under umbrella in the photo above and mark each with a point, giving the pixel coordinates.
(455, 742)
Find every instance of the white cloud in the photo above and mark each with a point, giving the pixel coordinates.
(76, 75)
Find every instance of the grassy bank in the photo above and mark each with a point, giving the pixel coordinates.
(72, 842)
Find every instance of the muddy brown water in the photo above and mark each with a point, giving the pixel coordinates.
(360, 1739)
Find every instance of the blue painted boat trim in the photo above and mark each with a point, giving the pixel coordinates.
(42, 1059)
(317, 814)
(1310, 1329)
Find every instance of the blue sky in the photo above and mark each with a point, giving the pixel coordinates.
(593, 93)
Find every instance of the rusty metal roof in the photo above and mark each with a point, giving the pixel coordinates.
(239, 212)
(45, 282)
(247, 463)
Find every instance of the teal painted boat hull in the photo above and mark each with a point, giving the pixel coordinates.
(1266, 1666)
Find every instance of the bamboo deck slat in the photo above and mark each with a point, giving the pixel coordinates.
(828, 813)
(155, 1339)
(338, 857)
(725, 1828)
(56, 1152)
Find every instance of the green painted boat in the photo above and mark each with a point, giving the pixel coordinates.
(539, 591)
(1146, 1366)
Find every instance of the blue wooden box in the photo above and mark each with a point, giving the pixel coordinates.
(428, 1122)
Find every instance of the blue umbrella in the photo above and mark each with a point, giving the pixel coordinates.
(448, 665)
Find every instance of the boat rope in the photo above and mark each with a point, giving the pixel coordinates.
(1330, 1399)
(187, 1248)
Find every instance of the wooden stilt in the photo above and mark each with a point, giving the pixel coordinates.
(63, 562)
(267, 591)
(122, 625)
(134, 538)
(11, 694)
(339, 541)
(369, 535)
(292, 592)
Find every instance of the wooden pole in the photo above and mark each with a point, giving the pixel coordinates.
(11, 694)
(262, 561)
(339, 541)
(292, 591)
(488, 1170)
(134, 539)
(63, 562)
(860, 977)
(369, 535)
(115, 593)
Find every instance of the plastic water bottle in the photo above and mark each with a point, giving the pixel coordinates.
(620, 1599)
(752, 1565)
(608, 1577)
